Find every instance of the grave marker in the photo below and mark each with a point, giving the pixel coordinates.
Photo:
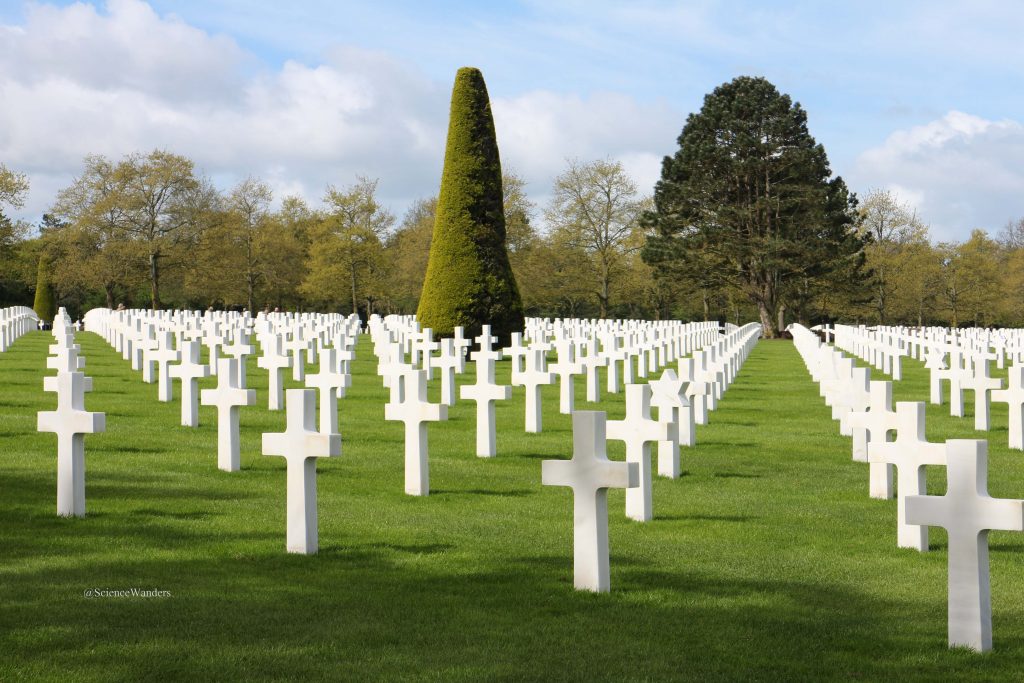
(909, 453)
(967, 513)
(228, 397)
(638, 431)
(300, 445)
(590, 474)
(70, 422)
(415, 411)
(1013, 397)
(189, 372)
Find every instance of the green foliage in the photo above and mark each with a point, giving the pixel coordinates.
(13, 187)
(347, 248)
(469, 280)
(407, 252)
(595, 209)
(45, 304)
(748, 196)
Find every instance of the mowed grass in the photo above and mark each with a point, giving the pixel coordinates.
(765, 561)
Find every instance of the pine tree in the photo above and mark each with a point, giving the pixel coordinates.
(749, 199)
(469, 280)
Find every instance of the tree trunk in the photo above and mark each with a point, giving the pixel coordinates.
(782, 319)
(355, 303)
(707, 305)
(154, 281)
(767, 324)
(109, 291)
(603, 296)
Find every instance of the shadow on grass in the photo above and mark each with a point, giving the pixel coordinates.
(511, 493)
(363, 611)
(706, 518)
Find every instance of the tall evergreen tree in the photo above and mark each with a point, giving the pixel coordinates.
(749, 197)
(45, 304)
(469, 280)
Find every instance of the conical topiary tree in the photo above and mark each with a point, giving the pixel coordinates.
(45, 305)
(469, 281)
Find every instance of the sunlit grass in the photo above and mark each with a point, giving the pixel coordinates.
(765, 561)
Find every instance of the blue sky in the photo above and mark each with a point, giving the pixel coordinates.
(921, 98)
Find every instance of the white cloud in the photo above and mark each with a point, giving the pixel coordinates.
(78, 81)
(961, 172)
(539, 131)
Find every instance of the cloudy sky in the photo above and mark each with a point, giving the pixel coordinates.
(923, 98)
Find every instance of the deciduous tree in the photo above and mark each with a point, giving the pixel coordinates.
(595, 207)
(347, 246)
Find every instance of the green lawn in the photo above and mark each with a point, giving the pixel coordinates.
(766, 561)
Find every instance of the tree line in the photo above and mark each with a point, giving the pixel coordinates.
(747, 222)
(149, 231)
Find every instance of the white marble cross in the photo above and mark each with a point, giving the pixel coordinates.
(590, 474)
(212, 340)
(533, 378)
(909, 453)
(241, 349)
(981, 383)
(423, 349)
(697, 391)
(956, 374)
(875, 423)
(486, 343)
(853, 395)
(1013, 397)
(392, 366)
(415, 411)
(299, 347)
(67, 360)
(936, 363)
(447, 363)
(70, 422)
(300, 445)
(668, 395)
(614, 353)
(638, 431)
(485, 392)
(461, 345)
(146, 345)
(330, 382)
(517, 352)
(164, 354)
(65, 355)
(591, 362)
(274, 360)
(228, 397)
(967, 513)
(189, 372)
(565, 369)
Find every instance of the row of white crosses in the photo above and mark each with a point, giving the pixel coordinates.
(302, 441)
(590, 474)
(966, 511)
(881, 348)
(16, 321)
(395, 337)
(960, 358)
(70, 421)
